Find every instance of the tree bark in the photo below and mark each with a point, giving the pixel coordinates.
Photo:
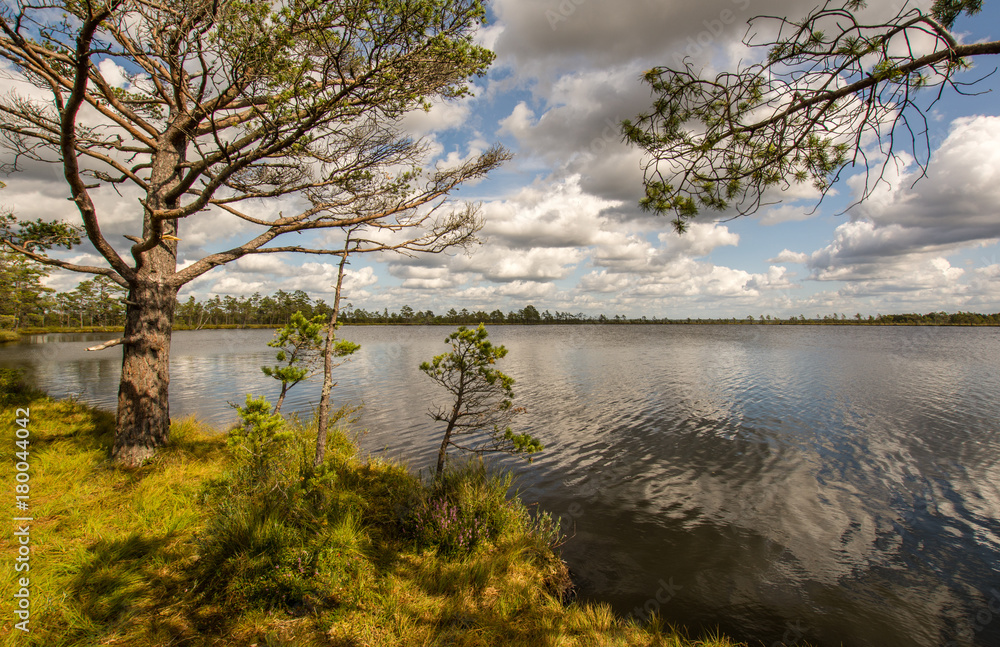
(456, 413)
(143, 410)
(323, 416)
(443, 452)
(143, 423)
(281, 398)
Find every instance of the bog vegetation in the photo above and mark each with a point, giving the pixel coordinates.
(237, 539)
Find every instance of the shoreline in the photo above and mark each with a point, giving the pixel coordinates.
(511, 589)
(13, 336)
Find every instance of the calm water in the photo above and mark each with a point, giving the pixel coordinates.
(832, 484)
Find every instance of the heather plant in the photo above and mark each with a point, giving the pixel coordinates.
(451, 528)
(470, 507)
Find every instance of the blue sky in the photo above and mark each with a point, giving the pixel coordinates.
(563, 230)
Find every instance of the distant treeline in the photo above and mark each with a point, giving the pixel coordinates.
(943, 319)
(277, 309)
(100, 302)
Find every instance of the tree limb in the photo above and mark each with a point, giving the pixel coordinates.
(717, 143)
(46, 260)
(111, 343)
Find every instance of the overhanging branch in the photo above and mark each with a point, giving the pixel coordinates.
(721, 143)
(54, 262)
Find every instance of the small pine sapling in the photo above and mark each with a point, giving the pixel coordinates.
(300, 347)
(483, 395)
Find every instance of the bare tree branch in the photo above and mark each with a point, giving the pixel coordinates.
(109, 344)
(54, 262)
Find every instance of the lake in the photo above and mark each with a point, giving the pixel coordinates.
(830, 484)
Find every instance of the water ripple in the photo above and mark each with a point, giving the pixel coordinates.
(842, 481)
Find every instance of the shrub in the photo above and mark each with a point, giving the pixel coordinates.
(469, 507)
(278, 536)
(12, 385)
(450, 528)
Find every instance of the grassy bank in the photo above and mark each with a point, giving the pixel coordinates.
(8, 336)
(44, 330)
(241, 542)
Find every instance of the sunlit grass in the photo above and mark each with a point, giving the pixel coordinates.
(108, 547)
(124, 558)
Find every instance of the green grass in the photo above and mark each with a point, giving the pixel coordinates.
(8, 336)
(207, 545)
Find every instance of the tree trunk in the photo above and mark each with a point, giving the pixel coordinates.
(456, 413)
(323, 416)
(143, 410)
(143, 423)
(281, 398)
(443, 452)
